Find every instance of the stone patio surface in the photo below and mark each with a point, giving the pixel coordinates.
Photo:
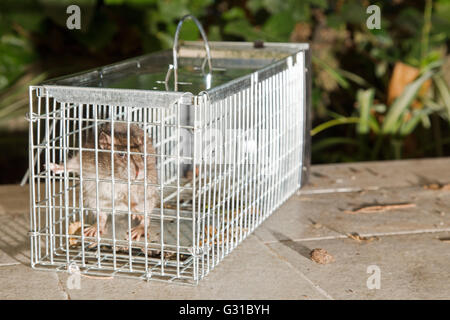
(407, 246)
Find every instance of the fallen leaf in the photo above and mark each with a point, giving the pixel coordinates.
(402, 75)
(432, 186)
(74, 227)
(359, 238)
(381, 208)
(437, 186)
(321, 256)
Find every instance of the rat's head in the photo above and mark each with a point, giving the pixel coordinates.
(118, 139)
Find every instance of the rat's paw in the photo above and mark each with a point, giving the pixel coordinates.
(136, 233)
(92, 231)
(140, 218)
(55, 168)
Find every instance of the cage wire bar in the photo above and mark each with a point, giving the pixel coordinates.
(209, 165)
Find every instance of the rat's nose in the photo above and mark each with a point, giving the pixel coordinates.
(136, 167)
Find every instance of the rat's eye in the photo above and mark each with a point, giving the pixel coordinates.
(122, 155)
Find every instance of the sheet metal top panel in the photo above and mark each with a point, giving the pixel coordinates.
(141, 81)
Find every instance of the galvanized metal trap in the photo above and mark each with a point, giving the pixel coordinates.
(226, 135)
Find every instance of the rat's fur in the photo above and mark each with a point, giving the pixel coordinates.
(136, 169)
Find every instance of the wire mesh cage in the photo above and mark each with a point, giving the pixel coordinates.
(138, 173)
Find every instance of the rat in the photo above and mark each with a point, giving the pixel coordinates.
(88, 170)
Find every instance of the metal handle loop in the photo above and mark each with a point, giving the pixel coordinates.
(175, 47)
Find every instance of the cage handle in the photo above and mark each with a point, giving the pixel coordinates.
(175, 50)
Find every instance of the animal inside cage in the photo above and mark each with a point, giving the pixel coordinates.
(134, 175)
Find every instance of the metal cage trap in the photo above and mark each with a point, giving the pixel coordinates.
(158, 173)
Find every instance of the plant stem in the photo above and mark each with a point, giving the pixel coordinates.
(333, 123)
(377, 147)
(397, 146)
(437, 134)
(426, 29)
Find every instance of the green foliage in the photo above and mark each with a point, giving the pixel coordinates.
(352, 65)
(365, 101)
(16, 50)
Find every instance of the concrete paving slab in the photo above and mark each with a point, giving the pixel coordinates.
(274, 262)
(295, 219)
(7, 260)
(14, 199)
(251, 271)
(380, 174)
(411, 266)
(22, 282)
(14, 241)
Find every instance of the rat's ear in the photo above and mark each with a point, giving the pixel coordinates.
(137, 133)
(141, 140)
(104, 140)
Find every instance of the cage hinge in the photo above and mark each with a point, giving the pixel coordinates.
(33, 233)
(197, 251)
(187, 100)
(73, 268)
(31, 116)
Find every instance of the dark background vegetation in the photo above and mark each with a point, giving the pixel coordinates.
(377, 94)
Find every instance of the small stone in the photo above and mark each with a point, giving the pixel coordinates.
(321, 256)
(317, 225)
(432, 186)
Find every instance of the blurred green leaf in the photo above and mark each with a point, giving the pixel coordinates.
(373, 124)
(365, 102)
(234, 13)
(29, 20)
(170, 11)
(332, 72)
(332, 123)
(393, 117)
(333, 141)
(412, 123)
(443, 90)
(214, 34)
(244, 29)
(189, 30)
(17, 98)
(16, 54)
(255, 5)
(165, 39)
(410, 19)
(353, 12)
(279, 26)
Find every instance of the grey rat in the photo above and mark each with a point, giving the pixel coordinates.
(119, 141)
